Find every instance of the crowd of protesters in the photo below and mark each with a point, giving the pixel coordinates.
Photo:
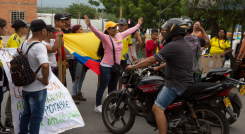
(118, 39)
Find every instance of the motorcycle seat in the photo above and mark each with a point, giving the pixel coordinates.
(217, 69)
(196, 88)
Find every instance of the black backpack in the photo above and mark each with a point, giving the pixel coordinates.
(21, 72)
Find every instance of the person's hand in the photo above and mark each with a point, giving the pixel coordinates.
(129, 67)
(222, 55)
(156, 41)
(156, 69)
(0, 47)
(199, 27)
(140, 21)
(67, 65)
(143, 37)
(87, 20)
(58, 34)
(133, 57)
(58, 30)
(44, 81)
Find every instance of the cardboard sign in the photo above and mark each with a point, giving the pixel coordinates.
(60, 112)
(211, 61)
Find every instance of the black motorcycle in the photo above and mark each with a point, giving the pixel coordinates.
(215, 75)
(188, 114)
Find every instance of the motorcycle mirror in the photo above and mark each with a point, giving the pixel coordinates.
(126, 57)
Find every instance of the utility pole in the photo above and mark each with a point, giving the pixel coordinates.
(52, 18)
(102, 22)
(41, 7)
(160, 6)
(120, 13)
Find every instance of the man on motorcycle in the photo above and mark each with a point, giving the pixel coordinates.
(179, 74)
(202, 43)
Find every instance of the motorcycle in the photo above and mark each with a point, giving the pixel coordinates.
(220, 74)
(215, 75)
(188, 114)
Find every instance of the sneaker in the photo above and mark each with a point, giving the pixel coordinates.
(76, 101)
(80, 97)
(98, 109)
(9, 124)
(3, 130)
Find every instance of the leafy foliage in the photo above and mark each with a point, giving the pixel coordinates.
(49, 9)
(83, 8)
(148, 9)
(215, 14)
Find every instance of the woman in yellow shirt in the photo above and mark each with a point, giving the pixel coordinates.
(220, 45)
(21, 28)
(3, 31)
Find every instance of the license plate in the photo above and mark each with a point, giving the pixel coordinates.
(227, 102)
(242, 90)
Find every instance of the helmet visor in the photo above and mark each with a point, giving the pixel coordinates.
(165, 25)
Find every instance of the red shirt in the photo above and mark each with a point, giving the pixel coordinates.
(63, 53)
(150, 47)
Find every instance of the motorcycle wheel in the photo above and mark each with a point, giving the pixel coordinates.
(236, 109)
(116, 123)
(214, 117)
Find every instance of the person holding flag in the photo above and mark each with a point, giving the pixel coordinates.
(113, 39)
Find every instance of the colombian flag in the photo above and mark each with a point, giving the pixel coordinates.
(84, 48)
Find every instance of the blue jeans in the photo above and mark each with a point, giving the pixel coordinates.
(1, 100)
(34, 103)
(79, 78)
(107, 79)
(166, 96)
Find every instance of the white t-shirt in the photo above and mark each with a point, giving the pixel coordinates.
(36, 56)
(51, 56)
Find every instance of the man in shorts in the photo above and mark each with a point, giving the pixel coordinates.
(178, 75)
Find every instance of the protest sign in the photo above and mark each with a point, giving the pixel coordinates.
(60, 112)
(210, 61)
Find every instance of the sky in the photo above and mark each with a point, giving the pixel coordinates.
(61, 3)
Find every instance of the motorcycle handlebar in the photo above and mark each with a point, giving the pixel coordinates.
(146, 70)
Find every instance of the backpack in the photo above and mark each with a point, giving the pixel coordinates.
(196, 49)
(20, 69)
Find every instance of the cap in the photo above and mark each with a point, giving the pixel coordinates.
(20, 23)
(67, 14)
(50, 28)
(37, 25)
(122, 21)
(110, 24)
(60, 16)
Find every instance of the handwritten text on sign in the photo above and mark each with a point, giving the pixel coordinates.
(60, 112)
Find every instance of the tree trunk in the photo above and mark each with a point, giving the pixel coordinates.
(243, 25)
(232, 60)
(214, 28)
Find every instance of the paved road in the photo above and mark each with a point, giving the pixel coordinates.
(93, 121)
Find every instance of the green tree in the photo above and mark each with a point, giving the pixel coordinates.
(215, 14)
(50, 9)
(83, 8)
(134, 9)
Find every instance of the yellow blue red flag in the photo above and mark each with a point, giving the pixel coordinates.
(84, 46)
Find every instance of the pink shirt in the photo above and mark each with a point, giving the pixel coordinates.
(107, 45)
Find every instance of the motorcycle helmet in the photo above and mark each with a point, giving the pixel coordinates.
(174, 27)
(189, 22)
